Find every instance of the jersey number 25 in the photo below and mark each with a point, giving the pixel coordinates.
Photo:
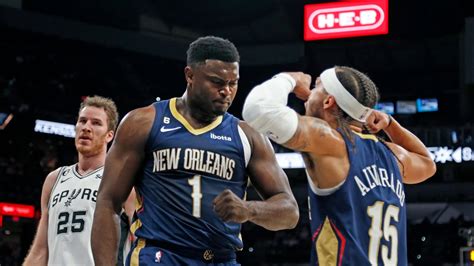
(76, 223)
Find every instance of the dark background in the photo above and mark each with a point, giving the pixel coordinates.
(52, 53)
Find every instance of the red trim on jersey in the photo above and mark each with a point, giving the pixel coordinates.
(343, 242)
(315, 235)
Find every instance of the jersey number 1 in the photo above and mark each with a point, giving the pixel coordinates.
(195, 182)
(389, 232)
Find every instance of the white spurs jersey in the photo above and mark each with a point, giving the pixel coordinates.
(71, 211)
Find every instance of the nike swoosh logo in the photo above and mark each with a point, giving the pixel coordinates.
(64, 180)
(163, 129)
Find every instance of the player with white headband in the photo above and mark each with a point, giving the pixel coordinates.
(356, 195)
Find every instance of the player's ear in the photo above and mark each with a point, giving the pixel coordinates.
(109, 136)
(329, 101)
(188, 74)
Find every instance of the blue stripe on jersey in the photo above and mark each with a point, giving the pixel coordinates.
(364, 220)
(184, 170)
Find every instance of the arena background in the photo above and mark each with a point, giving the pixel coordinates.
(53, 53)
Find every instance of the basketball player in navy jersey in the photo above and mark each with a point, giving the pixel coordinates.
(69, 193)
(356, 195)
(188, 160)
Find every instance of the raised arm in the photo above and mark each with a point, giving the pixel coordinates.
(121, 165)
(265, 110)
(415, 160)
(38, 254)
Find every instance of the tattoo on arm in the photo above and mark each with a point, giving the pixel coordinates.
(300, 143)
(303, 136)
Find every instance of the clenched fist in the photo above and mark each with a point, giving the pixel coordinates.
(230, 208)
(377, 121)
(302, 88)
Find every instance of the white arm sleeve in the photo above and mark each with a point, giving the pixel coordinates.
(265, 108)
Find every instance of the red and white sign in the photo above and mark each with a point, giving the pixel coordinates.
(17, 210)
(345, 19)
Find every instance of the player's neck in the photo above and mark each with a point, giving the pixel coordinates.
(333, 124)
(331, 120)
(195, 116)
(87, 164)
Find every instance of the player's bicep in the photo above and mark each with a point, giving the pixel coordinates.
(40, 243)
(48, 186)
(125, 157)
(419, 169)
(39, 249)
(314, 135)
(413, 167)
(266, 175)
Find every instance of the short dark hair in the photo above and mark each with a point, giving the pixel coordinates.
(212, 47)
(109, 107)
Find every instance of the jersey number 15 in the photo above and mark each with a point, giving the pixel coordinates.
(383, 228)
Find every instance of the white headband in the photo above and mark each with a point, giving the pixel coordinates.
(344, 99)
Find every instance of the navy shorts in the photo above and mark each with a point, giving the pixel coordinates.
(146, 252)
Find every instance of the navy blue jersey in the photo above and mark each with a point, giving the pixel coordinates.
(363, 221)
(184, 170)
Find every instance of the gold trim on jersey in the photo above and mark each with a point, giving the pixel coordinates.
(138, 201)
(366, 136)
(135, 259)
(138, 206)
(135, 225)
(180, 118)
(327, 245)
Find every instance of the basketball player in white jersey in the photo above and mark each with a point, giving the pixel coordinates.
(69, 193)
